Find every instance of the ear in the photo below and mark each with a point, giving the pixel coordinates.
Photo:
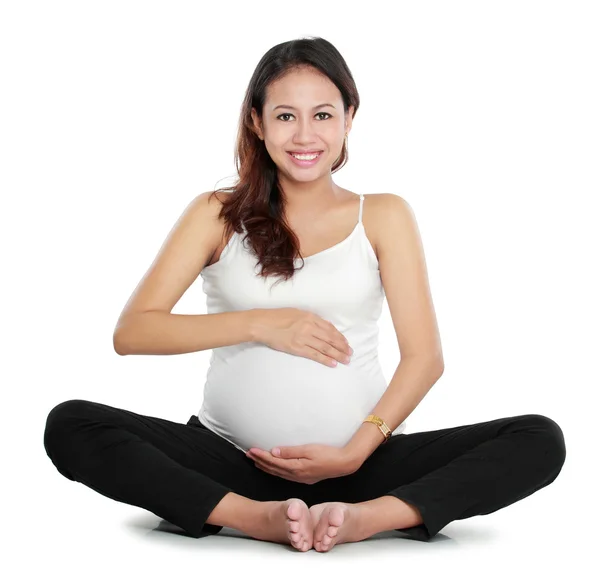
(348, 120)
(257, 124)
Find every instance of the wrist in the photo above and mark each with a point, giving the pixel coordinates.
(352, 460)
(364, 442)
(256, 324)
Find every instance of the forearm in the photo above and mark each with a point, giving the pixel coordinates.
(161, 333)
(412, 380)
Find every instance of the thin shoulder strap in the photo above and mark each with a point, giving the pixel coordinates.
(360, 211)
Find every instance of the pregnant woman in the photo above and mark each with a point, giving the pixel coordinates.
(299, 438)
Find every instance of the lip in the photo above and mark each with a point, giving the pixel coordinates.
(310, 151)
(305, 163)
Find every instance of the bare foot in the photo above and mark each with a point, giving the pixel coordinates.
(335, 523)
(287, 522)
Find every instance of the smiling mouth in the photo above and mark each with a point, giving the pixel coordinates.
(305, 162)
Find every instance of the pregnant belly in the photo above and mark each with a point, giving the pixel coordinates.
(264, 398)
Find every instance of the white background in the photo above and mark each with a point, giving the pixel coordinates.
(483, 115)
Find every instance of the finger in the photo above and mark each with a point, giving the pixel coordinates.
(252, 453)
(266, 458)
(276, 472)
(277, 462)
(270, 469)
(262, 456)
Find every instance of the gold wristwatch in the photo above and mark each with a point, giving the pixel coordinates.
(385, 430)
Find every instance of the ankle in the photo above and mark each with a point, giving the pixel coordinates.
(237, 511)
(389, 513)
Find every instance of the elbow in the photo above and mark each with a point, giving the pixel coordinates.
(125, 335)
(434, 364)
(436, 358)
(118, 349)
(437, 365)
(122, 336)
(118, 344)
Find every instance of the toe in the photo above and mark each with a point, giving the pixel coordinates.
(294, 509)
(322, 526)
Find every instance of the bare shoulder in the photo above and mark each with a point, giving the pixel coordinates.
(386, 214)
(385, 200)
(202, 214)
(214, 200)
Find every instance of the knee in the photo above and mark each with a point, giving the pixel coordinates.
(552, 436)
(61, 422)
(61, 413)
(60, 419)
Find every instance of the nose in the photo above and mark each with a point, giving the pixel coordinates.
(305, 133)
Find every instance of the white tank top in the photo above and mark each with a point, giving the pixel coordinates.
(255, 396)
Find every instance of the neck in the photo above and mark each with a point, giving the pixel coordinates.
(310, 198)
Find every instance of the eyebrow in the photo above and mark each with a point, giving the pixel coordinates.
(294, 109)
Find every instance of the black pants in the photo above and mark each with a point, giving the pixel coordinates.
(180, 472)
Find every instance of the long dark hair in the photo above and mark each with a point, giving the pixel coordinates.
(256, 199)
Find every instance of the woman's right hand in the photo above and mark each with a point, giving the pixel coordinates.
(302, 333)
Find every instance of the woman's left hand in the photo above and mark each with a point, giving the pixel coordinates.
(308, 464)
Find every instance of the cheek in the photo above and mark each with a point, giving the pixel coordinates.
(276, 149)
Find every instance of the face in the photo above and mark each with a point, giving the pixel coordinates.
(303, 113)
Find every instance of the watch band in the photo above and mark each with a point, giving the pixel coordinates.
(385, 430)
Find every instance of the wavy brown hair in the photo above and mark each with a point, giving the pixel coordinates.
(256, 199)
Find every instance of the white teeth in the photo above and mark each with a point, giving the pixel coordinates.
(305, 156)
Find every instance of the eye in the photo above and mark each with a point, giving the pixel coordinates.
(290, 115)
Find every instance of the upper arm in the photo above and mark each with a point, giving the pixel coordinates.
(184, 253)
(404, 277)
